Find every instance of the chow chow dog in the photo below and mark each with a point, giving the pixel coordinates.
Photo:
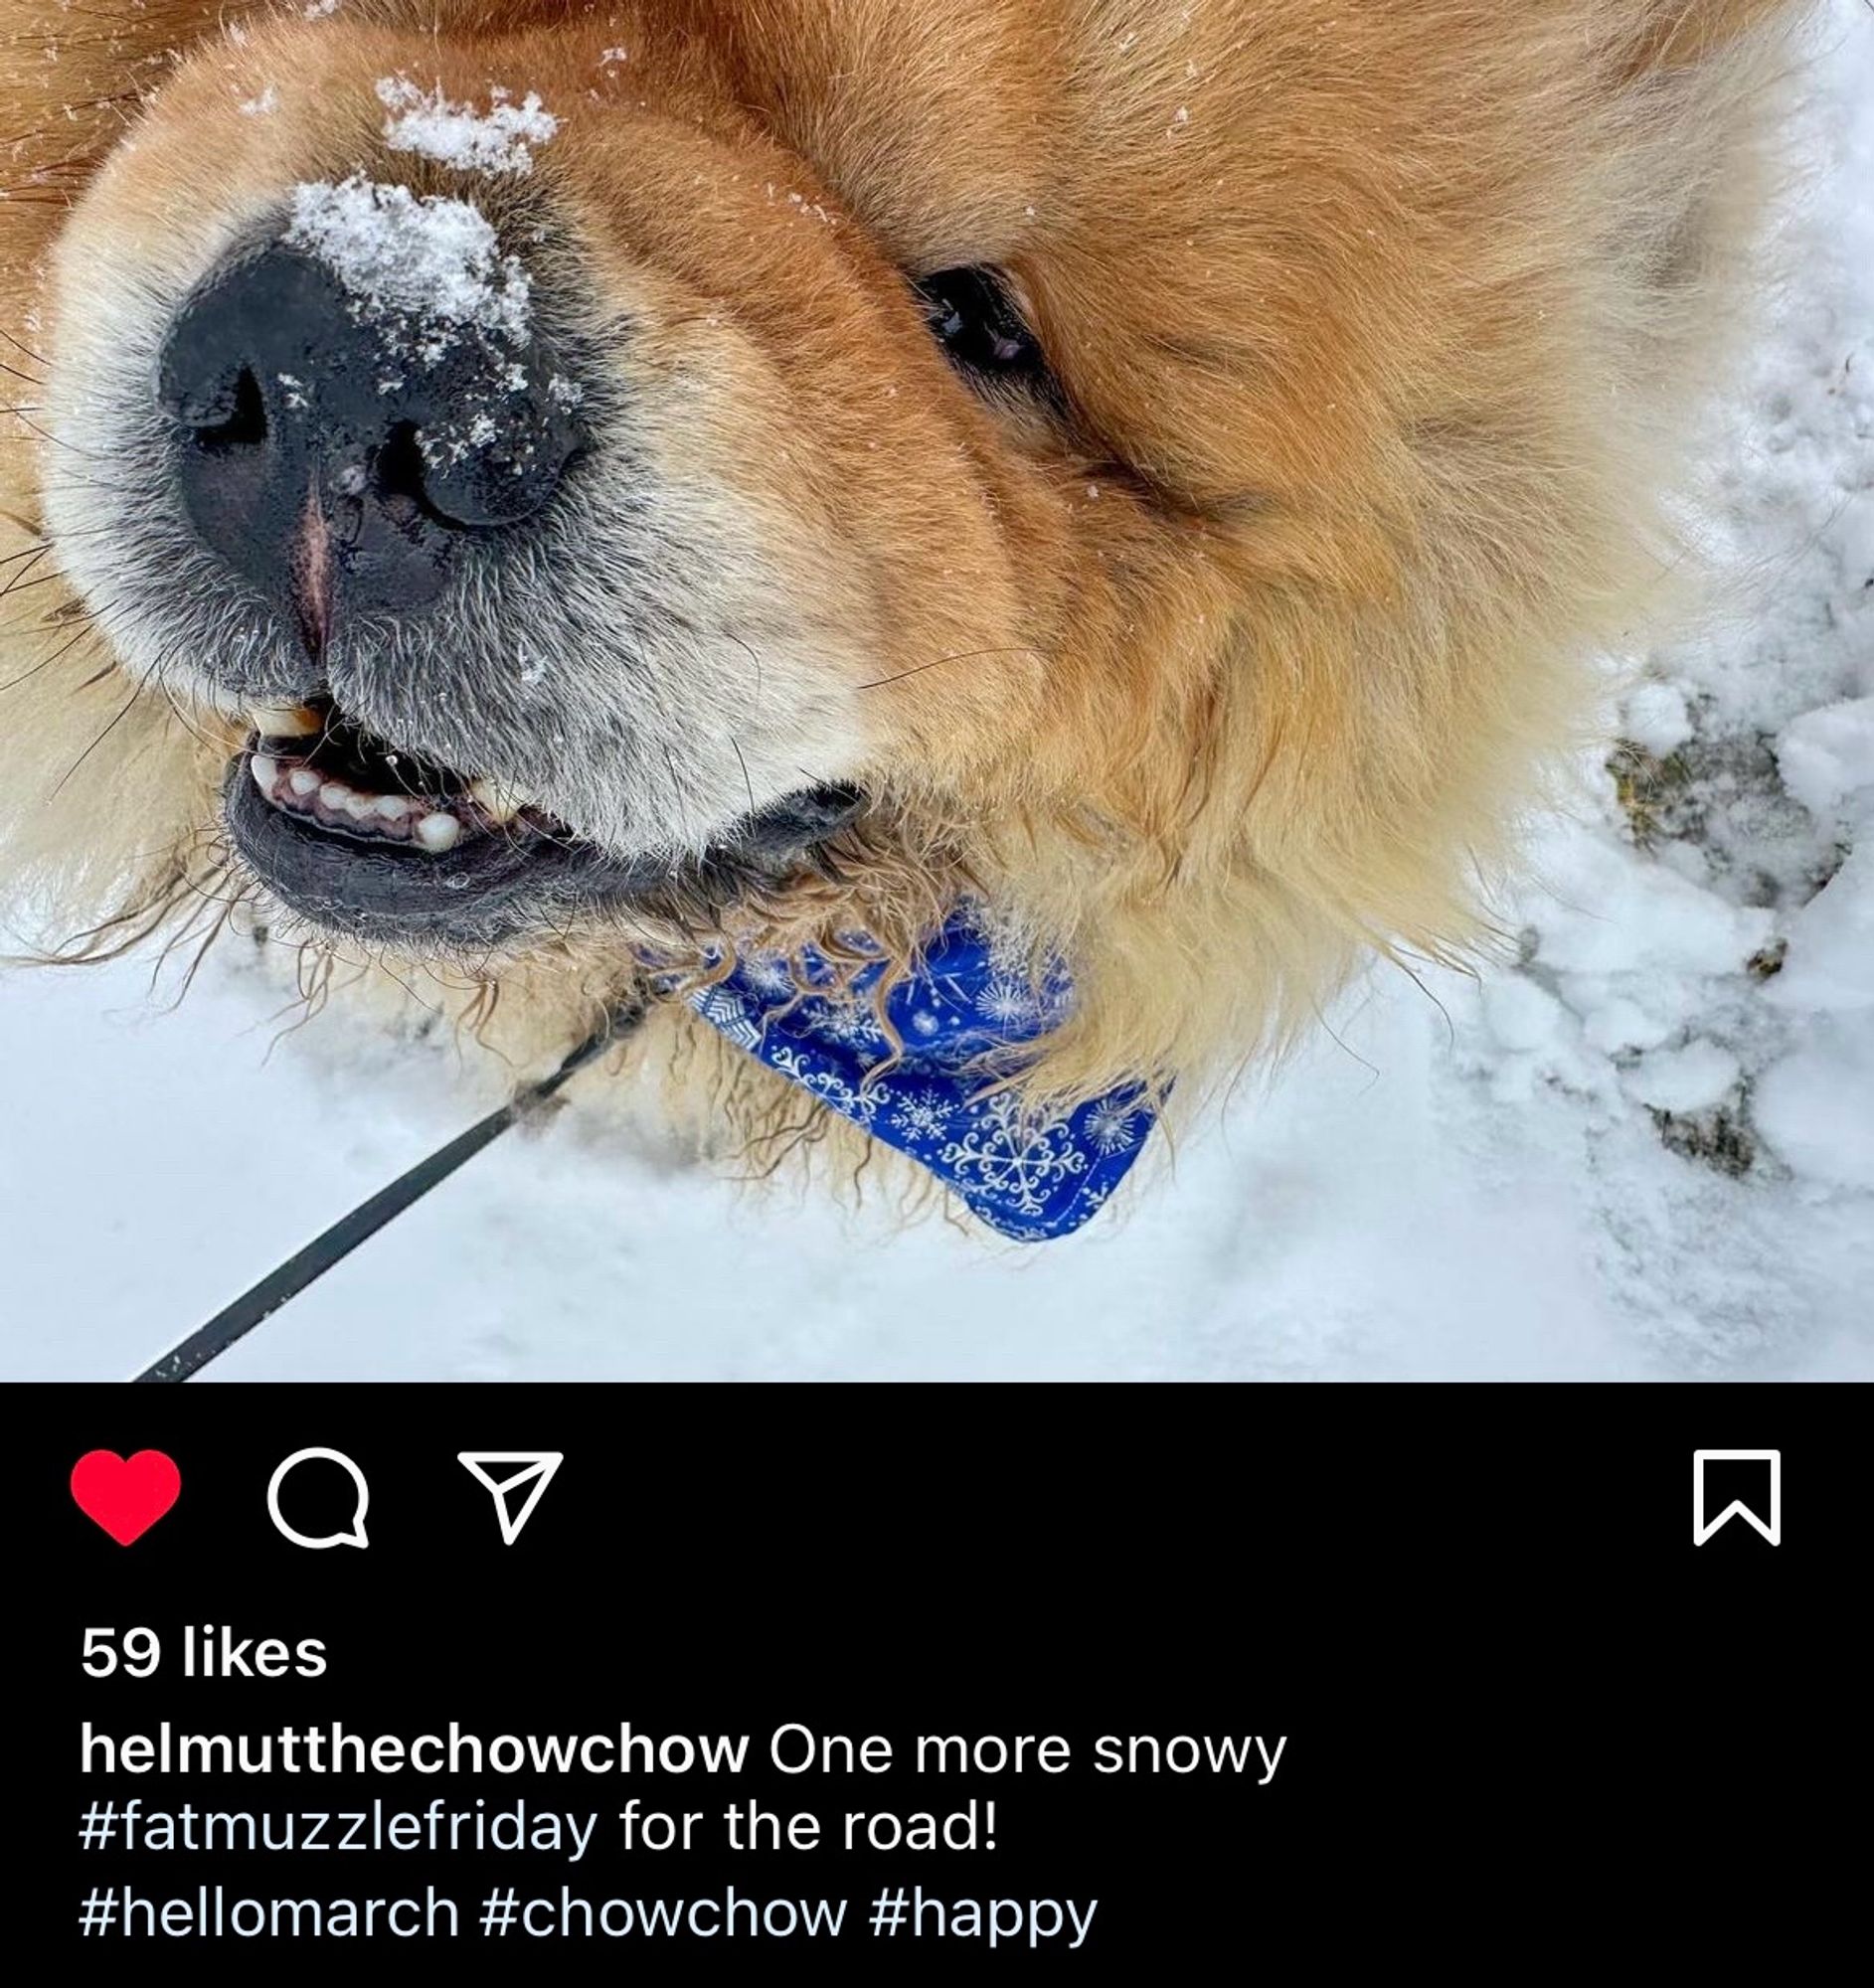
(548, 507)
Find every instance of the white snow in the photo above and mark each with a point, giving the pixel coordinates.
(1642, 1148)
(1826, 756)
(431, 260)
(1655, 717)
(1830, 964)
(1815, 1106)
(497, 140)
(1694, 1077)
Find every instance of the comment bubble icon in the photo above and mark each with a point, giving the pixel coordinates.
(354, 1534)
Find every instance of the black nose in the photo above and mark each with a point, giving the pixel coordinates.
(339, 456)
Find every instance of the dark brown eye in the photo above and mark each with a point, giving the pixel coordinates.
(982, 333)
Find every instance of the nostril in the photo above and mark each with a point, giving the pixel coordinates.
(413, 477)
(400, 477)
(232, 419)
(397, 469)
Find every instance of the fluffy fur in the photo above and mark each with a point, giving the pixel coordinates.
(1376, 321)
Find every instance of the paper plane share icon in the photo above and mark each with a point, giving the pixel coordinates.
(523, 1470)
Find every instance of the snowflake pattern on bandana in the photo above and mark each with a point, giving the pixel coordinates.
(1029, 1174)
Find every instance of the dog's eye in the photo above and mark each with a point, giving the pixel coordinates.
(980, 328)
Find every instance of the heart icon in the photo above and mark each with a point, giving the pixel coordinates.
(125, 1495)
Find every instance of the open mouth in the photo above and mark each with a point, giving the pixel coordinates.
(380, 844)
(329, 773)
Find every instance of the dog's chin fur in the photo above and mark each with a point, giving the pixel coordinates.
(1377, 322)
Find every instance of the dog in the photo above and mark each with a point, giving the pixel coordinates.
(702, 508)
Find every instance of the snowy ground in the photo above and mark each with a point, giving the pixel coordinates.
(1646, 1151)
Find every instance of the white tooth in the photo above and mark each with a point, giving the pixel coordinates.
(437, 832)
(334, 796)
(391, 807)
(497, 802)
(265, 772)
(303, 781)
(285, 720)
(361, 807)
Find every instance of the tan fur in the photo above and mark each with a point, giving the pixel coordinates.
(1378, 318)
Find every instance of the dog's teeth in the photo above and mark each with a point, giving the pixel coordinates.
(498, 804)
(361, 807)
(285, 720)
(437, 832)
(391, 807)
(265, 770)
(334, 796)
(303, 781)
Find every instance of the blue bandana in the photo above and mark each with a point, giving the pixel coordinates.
(959, 1012)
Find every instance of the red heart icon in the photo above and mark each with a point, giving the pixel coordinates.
(125, 1495)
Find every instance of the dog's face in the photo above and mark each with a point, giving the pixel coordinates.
(1149, 458)
(598, 449)
(559, 470)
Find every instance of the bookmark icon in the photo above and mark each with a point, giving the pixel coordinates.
(524, 1471)
(1767, 1480)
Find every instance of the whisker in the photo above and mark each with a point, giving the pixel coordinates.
(124, 712)
(743, 765)
(59, 442)
(753, 656)
(215, 930)
(961, 656)
(65, 650)
(17, 585)
(38, 358)
(76, 610)
(26, 569)
(188, 724)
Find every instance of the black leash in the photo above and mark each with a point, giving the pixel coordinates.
(237, 1320)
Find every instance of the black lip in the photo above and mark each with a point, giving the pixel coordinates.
(493, 889)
